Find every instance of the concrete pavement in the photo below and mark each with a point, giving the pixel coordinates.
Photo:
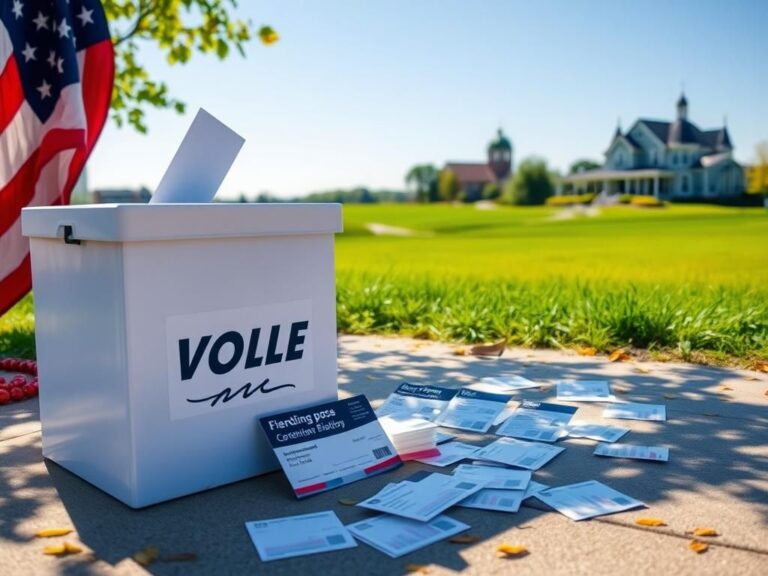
(717, 476)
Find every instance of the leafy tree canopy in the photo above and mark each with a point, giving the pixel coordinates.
(583, 165)
(180, 28)
(532, 184)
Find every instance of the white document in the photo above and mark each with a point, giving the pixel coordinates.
(473, 410)
(584, 391)
(657, 453)
(631, 411)
(538, 421)
(507, 384)
(422, 500)
(494, 499)
(504, 414)
(534, 488)
(441, 437)
(587, 500)
(417, 399)
(528, 455)
(494, 476)
(397, 536)
(200, 164)
(299, 535)
(582, 429)
(450, 454)
(329, 445)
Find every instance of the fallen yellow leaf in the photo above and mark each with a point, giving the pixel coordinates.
(419, 568)
(752, 379)
(512, 550)
(146, 556)
(760, 366)
(725, 388)
(496, 349)
(348, 501)
(464, 539)
(587, 351)
(619, 355)
(641, 370)
(51, 532)
(650, 522)
(704, 532)
(697, 546)
(267, 35)
(62, 549)
(460, 352)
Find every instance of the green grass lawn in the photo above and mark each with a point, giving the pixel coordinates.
(686, 281)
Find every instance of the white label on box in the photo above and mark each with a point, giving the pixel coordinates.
(232, 358)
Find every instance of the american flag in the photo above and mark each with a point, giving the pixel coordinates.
(56, 73)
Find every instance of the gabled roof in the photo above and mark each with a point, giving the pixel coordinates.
(659, 128)
(471, 172)
(685, 132)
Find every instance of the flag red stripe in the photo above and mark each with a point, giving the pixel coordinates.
(21, 189)
(11, 94)
(14, 286)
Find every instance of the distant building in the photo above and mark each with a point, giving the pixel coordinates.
(669, 160)
(121, 196)
(473, 176)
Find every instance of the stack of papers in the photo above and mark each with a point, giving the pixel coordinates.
(528, 455)
(397, 536)
(329, 445)
(421, 500)
(473, 410)
(412, 437)
(417, 399)
(656, 453)
(538, 421)
(584, 391)
(299, 535)
(587, 500)
(632, 411)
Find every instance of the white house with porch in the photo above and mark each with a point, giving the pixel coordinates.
(668, 160)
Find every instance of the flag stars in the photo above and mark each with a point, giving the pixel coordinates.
(60, 65)
(29, 52)
(64, 28)
(45, 90)
(52, 58)
(17, 6)
(85, 16)
(41, 21)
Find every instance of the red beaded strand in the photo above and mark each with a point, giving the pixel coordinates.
(18, 388)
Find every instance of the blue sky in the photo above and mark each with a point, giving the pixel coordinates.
(356, 92)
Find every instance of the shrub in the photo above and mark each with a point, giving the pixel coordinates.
(646, 202)
(570, 199)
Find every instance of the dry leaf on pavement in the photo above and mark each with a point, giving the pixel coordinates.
(464, 539)
(51, 532)
(697, 546)
(348, 501)
(619, 355)
(496, 349)
(460, 352)
(650, 522)
(760, 366)
(512, 550)
(704, 532)
(417, 568)
(588, 351)
(62, 549)
(641, 370)
(146, 556)
(725, 388)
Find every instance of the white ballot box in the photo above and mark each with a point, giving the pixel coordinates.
(165, 331)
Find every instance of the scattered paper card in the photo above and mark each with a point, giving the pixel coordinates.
(534, 488)
(422, 500)
(657, 453)
(587, 500)
(600, 432)
(584, 391)
(473, 410)
(442, 437)
(494, 476)
(538, 421)
(450, 454)
(418, 399)
(494, 499)
(632, 411)
(397, 536)
(504, 414)
(507, 384)
(299, 535)
(512, 452)
(329, 445)
(200, 164)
